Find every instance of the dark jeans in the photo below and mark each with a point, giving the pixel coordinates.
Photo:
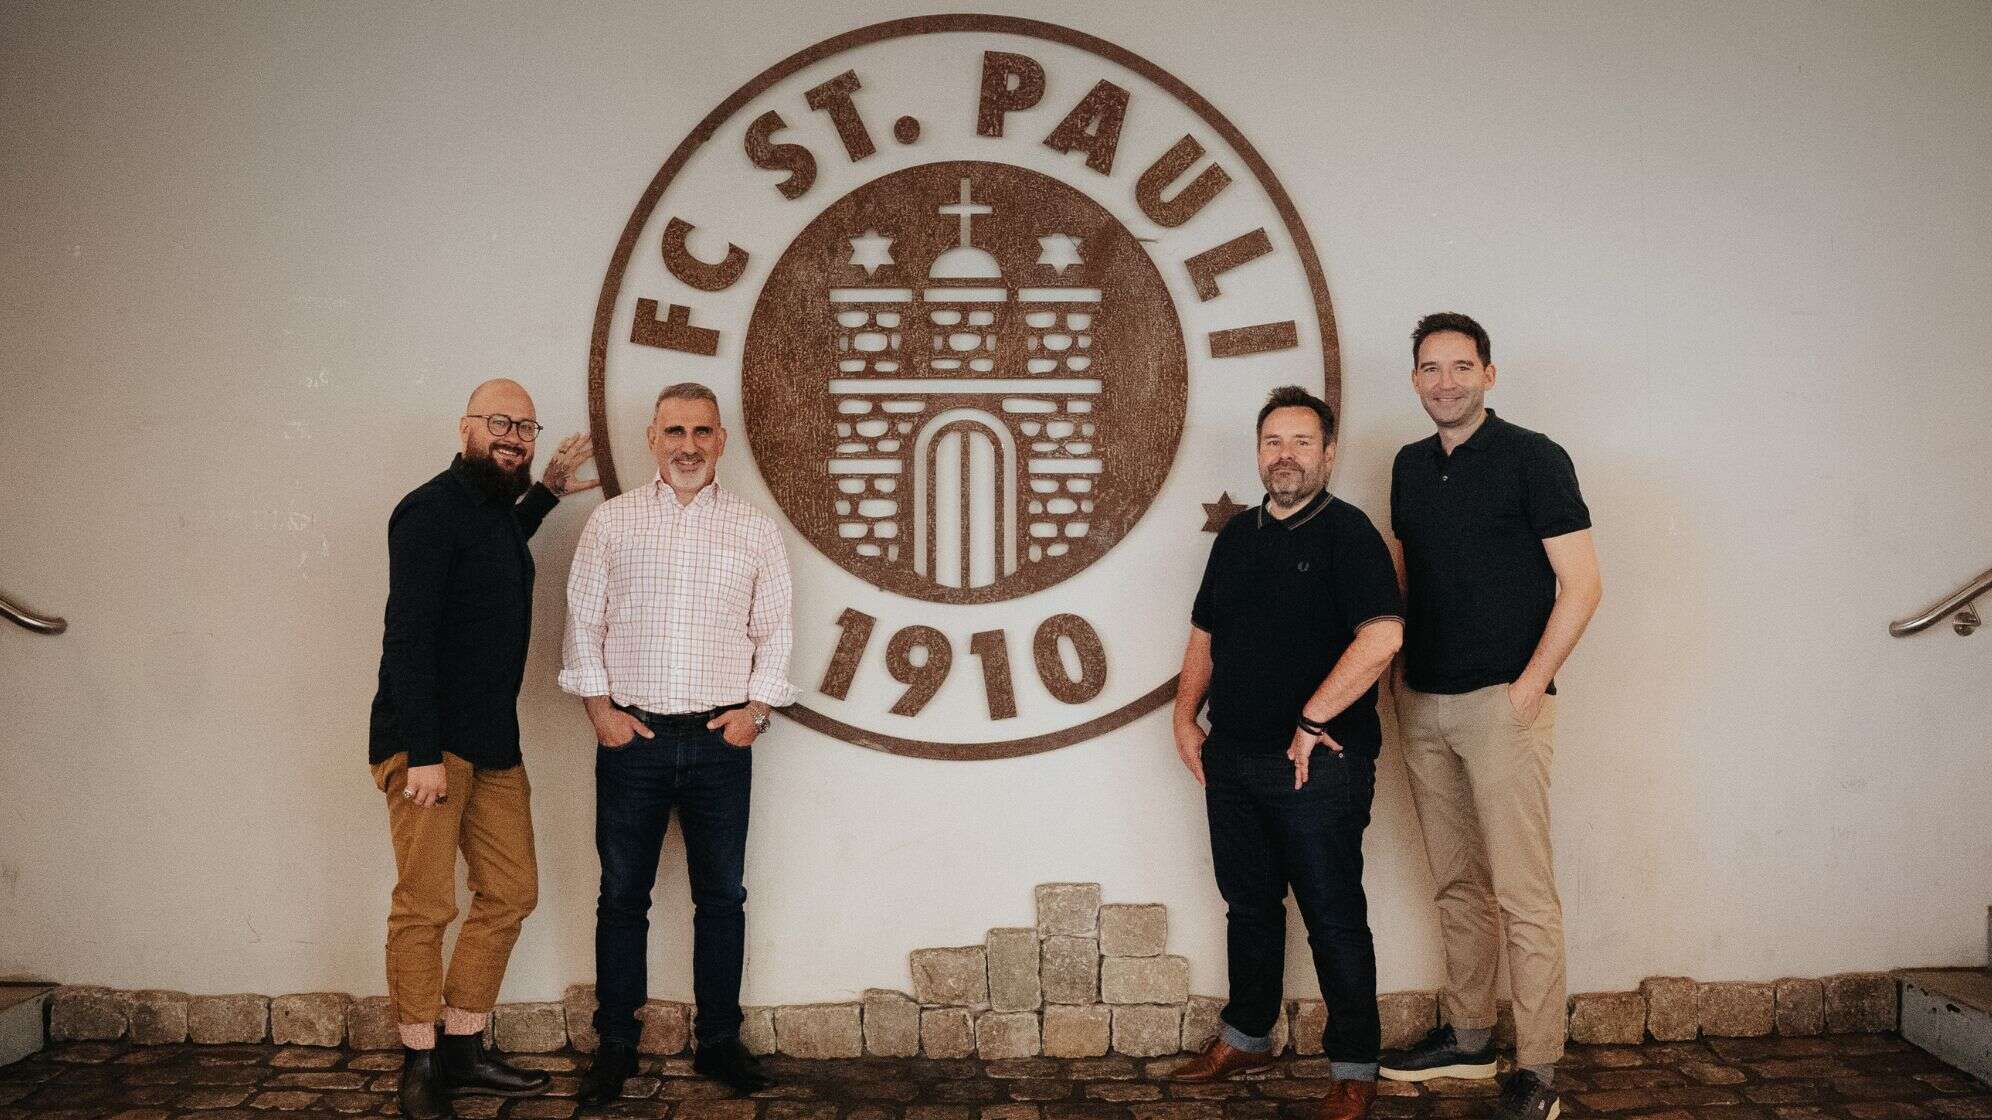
(1266, 836)
(635, 789)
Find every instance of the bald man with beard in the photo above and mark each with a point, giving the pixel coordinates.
(445, 740)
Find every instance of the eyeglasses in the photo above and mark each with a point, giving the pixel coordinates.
(497, 423)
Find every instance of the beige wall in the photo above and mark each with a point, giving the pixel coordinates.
(1736, 257)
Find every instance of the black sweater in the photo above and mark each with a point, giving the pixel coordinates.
(459, 615)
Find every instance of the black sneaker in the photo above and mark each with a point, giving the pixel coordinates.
(1438, 1055)
(1525, 1097)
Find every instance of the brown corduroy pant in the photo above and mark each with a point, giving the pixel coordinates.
(487, 815)
(1480, 782)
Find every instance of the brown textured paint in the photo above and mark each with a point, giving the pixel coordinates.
(1256, 339)
(855, 628)
(999, 96)
(1016, 221)
(1093, 126)
(1051, 667)
(834, 97)
(991, 647)
(672, 332)
(1167, 168)
(795, 159)
(922, 680)
(1214, 262)
(704, 275)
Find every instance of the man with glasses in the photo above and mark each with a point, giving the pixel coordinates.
(679, 626)
(445, 740)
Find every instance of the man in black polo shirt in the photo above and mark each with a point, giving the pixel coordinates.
(1298, 615)
(445, 740)
(1500, 582)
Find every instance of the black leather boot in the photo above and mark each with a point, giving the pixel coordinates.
(424, 1095)
(730, 1063)
(614, 1063)
(471, 1069)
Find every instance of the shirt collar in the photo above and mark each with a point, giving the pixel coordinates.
(704, 499)
(1299, 517)
(1489, 430)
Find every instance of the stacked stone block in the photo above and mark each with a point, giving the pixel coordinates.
(1678, 1009)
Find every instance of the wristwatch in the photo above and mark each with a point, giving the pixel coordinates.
(761, 723)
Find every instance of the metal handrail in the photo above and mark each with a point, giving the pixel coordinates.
(29, 620)
(1958, 602)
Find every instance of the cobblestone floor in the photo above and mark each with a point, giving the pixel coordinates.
(1847, 1077)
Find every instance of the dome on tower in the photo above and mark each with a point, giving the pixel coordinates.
(965, 262)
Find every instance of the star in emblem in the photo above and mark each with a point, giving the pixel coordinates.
(1060, 251)
(871, 251)
(1220, 511)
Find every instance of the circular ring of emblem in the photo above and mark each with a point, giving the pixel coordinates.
(996, 303)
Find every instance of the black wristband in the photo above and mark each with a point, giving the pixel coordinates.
(1310, 726)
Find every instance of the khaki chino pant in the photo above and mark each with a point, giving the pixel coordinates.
(1480, 782)
(487, 815)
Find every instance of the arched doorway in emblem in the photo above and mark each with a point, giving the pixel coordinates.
(965, 499)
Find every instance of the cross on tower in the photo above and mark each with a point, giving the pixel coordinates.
(967, 209)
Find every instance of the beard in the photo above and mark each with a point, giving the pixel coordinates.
(1289, 483)
(700, 472)
(496, 481)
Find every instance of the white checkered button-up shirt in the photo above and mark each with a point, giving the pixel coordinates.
(679, 608)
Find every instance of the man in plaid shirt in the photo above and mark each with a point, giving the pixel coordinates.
(679, 626)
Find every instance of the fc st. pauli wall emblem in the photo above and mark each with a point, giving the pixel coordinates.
(993, 304)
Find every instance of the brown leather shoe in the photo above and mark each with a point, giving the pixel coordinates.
(1350, 1100)
(1218, 1061)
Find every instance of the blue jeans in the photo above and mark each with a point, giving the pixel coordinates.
(1266, 836)
(636, 787)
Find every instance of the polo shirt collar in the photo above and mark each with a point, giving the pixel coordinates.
(1489, 430)
(1298, 518)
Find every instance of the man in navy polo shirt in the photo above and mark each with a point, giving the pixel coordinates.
(1298, 616)
(1501, 580)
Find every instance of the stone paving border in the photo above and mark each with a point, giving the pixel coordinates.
(1143, 1008)
(1836, 1077)
(1088, 978)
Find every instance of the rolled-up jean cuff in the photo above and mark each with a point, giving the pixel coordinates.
(1239, 1040)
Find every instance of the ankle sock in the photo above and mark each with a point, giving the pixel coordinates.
(1471, 1038)
(1239, 1040)
(1353, 1071)
(1544, 1074)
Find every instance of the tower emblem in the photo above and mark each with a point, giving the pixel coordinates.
(990, 395)
(993, 303)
